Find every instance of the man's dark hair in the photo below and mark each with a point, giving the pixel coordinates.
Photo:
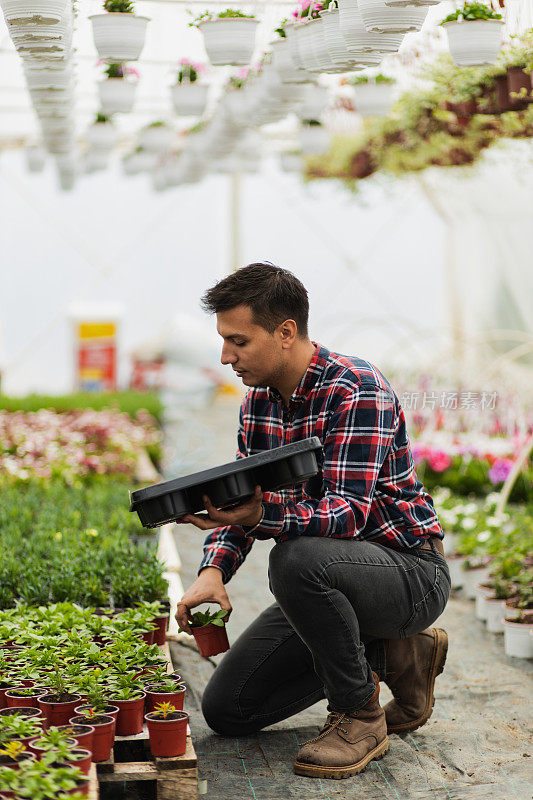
(273, 294)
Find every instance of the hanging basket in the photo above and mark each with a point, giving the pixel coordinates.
(101, 136)
(356, 36)
(47, 12)
(119, 37)
(341, 59)
(229, 41)
(379, 17)
(314, 140)
(48, 78)
(474, 42)
(405, 3)
(284, 64)
(294, 47)
(117, 96)
(320, 46)
(156, 139)
(96, 161)
(189, 99)
(305, 43)
(373, 99)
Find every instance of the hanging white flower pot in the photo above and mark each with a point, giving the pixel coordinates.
(229, 41)
(294, 46)
(101, 135)
(379, 17)
(495, 610)
(306, 41)
(341, 59)
(118, 36)
(117, 95)
(35, 158)
(189, 99)
(139, 161)
(47, 12)
(96, 160)
(356, 36)
(48, 78)
(474, 42)
(284, 65)
(157, 138)
(314, 101)
(374, 99)
(412, 2)
(314, 139)
(518, 639)
(320, 46)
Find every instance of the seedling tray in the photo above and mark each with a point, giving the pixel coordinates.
(227, 485)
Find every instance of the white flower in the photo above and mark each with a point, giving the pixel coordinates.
(483, 536)
(468, 523)
(493, 522)
(471, 508)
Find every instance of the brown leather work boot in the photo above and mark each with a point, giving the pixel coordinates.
(347, 742)
(412, 665)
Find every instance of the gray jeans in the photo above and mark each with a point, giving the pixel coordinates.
(337, 600)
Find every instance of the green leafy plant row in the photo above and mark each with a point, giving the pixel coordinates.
(129, 402)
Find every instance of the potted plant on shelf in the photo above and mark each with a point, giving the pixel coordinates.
(167, 729)
(12, 753)
(104, 732)
(130, 701)
(101, 135)
(51, 741)
(24, 696)
(209, 631)
(17, 728)
(58, 703)
(117, 93)
(120, 33)
(518, 637)
(82, 734)
(167, 690)
(474, 34)
(229, 36)
(189, 96)
(373, 95)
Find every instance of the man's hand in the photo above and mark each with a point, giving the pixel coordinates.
(248, 513)
(207, 588)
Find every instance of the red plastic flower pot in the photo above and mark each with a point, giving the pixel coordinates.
(82, 735)
(130, 716)
(175, 698)
(160, 634)
(82, 787)
(25, 711)
(5, 761)
(57, 712)
(13, 701)
(111, 710)
(104, 734)
(148, 636)
(39, 751)
(81, 758)
(211, 639)
(5, 687)
(168, 737)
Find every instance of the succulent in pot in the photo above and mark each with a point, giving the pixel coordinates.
(167, 729)
(119, 34)
(475, 34)
(209, 631)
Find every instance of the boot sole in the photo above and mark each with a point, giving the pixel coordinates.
(437, 666)
(315, 771)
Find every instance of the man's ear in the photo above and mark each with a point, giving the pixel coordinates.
(288, 331)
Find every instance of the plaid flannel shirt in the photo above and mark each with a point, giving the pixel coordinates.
(366, 487)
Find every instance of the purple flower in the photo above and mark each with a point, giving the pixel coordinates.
(500, 470)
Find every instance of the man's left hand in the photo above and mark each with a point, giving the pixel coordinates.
(248, 513)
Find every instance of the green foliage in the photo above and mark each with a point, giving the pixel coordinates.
(102, 119)
(359, 79)
(120, 6)
(202, 618)
(187, 74)
(472, 11)
(114, 71)
(280, 30)
(229, 13)
(128, 402)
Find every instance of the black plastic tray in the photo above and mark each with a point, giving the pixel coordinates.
(226, 485)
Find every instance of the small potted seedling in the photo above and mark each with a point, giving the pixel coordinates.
(23, 696)
(104, 732)
(474, 33)
(130, 701)
(167, 690)
(117, 95)
(17, 728)
(58, 703)
(189, 97)
(120, 33)
(82, 735)
(52, 741)
(209, 631)
(167, 729)
(229, 36)
(12, 753)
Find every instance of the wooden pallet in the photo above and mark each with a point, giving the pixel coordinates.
(132, 762)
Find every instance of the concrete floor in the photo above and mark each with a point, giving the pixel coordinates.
(476, 746)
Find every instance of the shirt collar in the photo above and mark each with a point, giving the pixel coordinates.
(309, 379)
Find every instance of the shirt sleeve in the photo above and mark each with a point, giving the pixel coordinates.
(227, 547)
(356, 444)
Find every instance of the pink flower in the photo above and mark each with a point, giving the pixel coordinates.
(438, 460)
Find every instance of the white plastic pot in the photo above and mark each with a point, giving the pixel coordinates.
(457, 573)
(341, 59)
(117, 95)
(157, 139)
(510, 611)
(314, 139)
(118, 36)
(96, 160)
(518, 639)
(314, 101)
(48, 78)
(474, 42)
(495, 610)
(472, 577)
(39, 11)
(481, 593)
(356, 36)
(35, 158)
(101, 136)
(374, 99)
(320, 46)
(294, 46)
(229, 41)
(284, 65)
(38, 33)
(379, 17)
(306, 46)
(139, 161)
(412, 2)
(189, 99)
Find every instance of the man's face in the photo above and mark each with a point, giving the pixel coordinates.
(255, 355)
